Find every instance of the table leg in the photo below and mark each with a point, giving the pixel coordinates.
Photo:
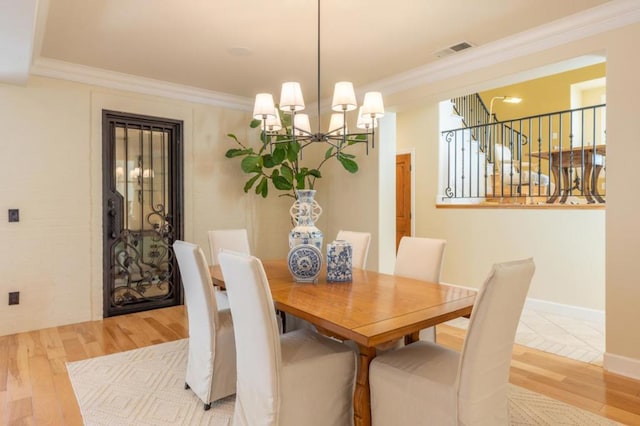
(556, 179)
(362, 394)
(567, 181)
(587, 181)
(413, 337)
(594, 189)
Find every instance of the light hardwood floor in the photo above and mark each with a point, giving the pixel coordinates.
(35, 387)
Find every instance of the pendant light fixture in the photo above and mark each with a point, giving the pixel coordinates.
(337, 135)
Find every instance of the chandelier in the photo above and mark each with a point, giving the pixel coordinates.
(297, 127)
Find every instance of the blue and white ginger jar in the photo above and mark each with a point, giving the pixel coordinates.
(339, 261)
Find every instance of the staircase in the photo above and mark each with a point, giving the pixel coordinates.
(483, 160)
(469, 151)
(466, 179)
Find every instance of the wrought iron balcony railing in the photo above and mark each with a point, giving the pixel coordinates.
(546, 158)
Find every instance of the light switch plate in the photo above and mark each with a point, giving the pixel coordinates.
(14, 215)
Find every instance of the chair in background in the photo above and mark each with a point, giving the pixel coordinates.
(211, 364)
(509, 175)
(427, 381)
(421, 259)
(298, 378)
(228, 239)
(360, 244)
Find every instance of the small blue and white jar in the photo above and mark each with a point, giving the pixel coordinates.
(339, 261)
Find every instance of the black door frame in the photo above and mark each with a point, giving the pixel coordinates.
(110, 221)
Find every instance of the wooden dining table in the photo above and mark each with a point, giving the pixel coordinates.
(373, 309)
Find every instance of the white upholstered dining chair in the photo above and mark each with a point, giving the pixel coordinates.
(211, 362)
(425, 383)
(298, 378)
(421, 259)
(360, 245)
(228, 239)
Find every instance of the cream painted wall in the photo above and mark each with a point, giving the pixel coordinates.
(350, 200)
(623, 226)
(541, 95)
(417, 122)
(45, 173)
(51, 170)
(568, 246)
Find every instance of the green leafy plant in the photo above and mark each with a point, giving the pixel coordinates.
(276, 162)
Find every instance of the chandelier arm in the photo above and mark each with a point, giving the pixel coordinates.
(344, 127)
(306, 142)
(305, 133)
(340, 139)
(265, 135)
(312, 141)
(300, 139)
(328, 140)
(293, 120)
(373, 139)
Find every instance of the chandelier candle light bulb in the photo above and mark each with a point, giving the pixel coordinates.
(344, 97)
(263, 107)
(291, 97)
(373, 105)
(365, 122)
(337, 124)
(272, 124)
(301, 124)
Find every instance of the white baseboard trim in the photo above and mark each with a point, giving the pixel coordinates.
(622, 365)
(577, 312)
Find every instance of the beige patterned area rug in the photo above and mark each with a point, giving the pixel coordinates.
(146, 387)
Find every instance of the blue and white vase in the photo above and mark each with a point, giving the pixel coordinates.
(339, 261)
(305, 263)
(304, 212)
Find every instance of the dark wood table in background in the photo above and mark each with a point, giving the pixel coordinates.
(568, 158)
(373, 309)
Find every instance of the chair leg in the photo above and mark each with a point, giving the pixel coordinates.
(207, 407)
(186, 385)
(283, 317)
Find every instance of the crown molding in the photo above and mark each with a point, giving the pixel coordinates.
(114, 80)
(606, 17)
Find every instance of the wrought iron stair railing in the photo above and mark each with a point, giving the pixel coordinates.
(474, 112)
(545, 158)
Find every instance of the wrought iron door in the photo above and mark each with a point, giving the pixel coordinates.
(142, 212)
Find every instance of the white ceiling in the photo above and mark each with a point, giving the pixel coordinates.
(240, 47)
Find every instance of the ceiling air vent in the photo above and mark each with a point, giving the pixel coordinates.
(458, 47)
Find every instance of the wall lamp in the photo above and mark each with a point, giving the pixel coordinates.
(507, 99)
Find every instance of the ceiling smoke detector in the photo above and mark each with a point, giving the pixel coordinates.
(458, 47)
